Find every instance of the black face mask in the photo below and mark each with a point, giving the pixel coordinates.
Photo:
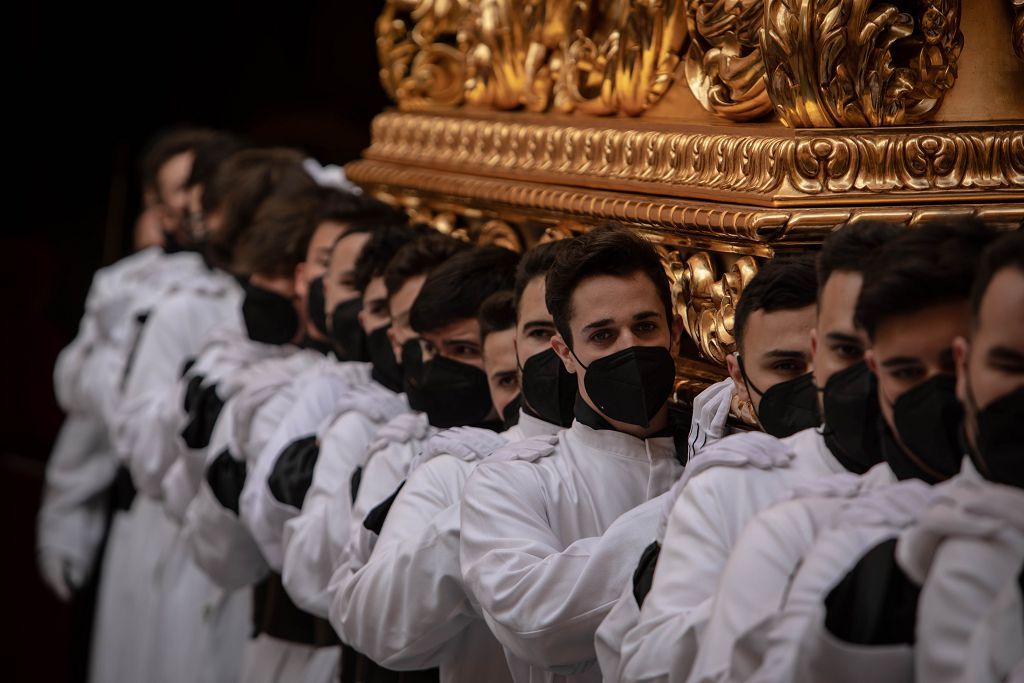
(510, 416)
(347, 333)
(386, 370)
(851, 417)
(269, 317)
(549, 390)
(452, 394)
(999, 435)
(787, 407)
(315, 306)
(927, 421)
(631, 385)
(172, 245)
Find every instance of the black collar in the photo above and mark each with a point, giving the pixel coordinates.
(320, 347)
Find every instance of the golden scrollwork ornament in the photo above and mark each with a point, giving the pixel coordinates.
(1018, 27)
(707, 302)
(724, 68)
(619, 55)
(860, 62)
(420, 60)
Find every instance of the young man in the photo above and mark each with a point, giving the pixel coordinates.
(942, 565)
(174, 331)
(532, 511)
(73, 515)
(419, 541)
(309, 539)
(721, 492)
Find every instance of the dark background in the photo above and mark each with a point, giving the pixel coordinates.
(91, 83)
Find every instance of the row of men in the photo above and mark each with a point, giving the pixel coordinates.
(466, 464)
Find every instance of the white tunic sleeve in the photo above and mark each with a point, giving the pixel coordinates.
(407, 601)
(543, 601)
(309, 550)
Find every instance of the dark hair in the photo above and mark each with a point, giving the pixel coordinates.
(535, 263)
(419, 258)
(497, 313)
(931, 265)
(210, 154)
(607, 250)
(278, 238)
(786, 283)
(1007, 251)
(242, 184)
(378, 251)
(852, 248)
(456, 288)
(348, 208)
(166, 145)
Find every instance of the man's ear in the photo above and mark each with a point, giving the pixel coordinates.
(563, 352)
(301, 286)
(814, 344)
(869, 358)
(677, 334)
(961, 349)
(732, 364)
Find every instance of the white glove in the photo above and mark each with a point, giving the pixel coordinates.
(710, 413)
(59, 574)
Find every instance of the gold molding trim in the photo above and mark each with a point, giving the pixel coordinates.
(716, 226)
(807, 167)
(1017, 28)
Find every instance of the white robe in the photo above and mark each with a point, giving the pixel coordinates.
(532, 552)
(722, 489)
(313, 409)
(174, 621)
(407, 608)
(311, 539)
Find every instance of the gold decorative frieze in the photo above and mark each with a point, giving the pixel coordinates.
(708, 225)
(782, 169)
(859, 62)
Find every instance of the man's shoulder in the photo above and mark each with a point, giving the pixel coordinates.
(739, 453)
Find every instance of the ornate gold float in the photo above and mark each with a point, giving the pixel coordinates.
(729, 131)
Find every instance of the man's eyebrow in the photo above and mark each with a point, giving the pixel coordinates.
(644, 315)
(604, 322)
(538, 324)
(1005, 354)
(898, 361)
(502, 373)
(843, 337)
(468, 341)
(379, 301)
(784, 354)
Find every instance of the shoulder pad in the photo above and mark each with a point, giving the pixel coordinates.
(528, 450)
(372, 401)
(401, 429)
(465, 443)
(750, 449)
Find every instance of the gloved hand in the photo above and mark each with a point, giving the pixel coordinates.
(710, 413)
(60, 574)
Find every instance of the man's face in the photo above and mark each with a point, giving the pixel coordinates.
(991, 365)
(910, 349)
(836, 343)
(318, 257)
(375, 306)
(609, 314)
(339, 280)
(172, 194)
(534, 324)
(459, 341)
(399, 305)
(776, 348)
(499, 356)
